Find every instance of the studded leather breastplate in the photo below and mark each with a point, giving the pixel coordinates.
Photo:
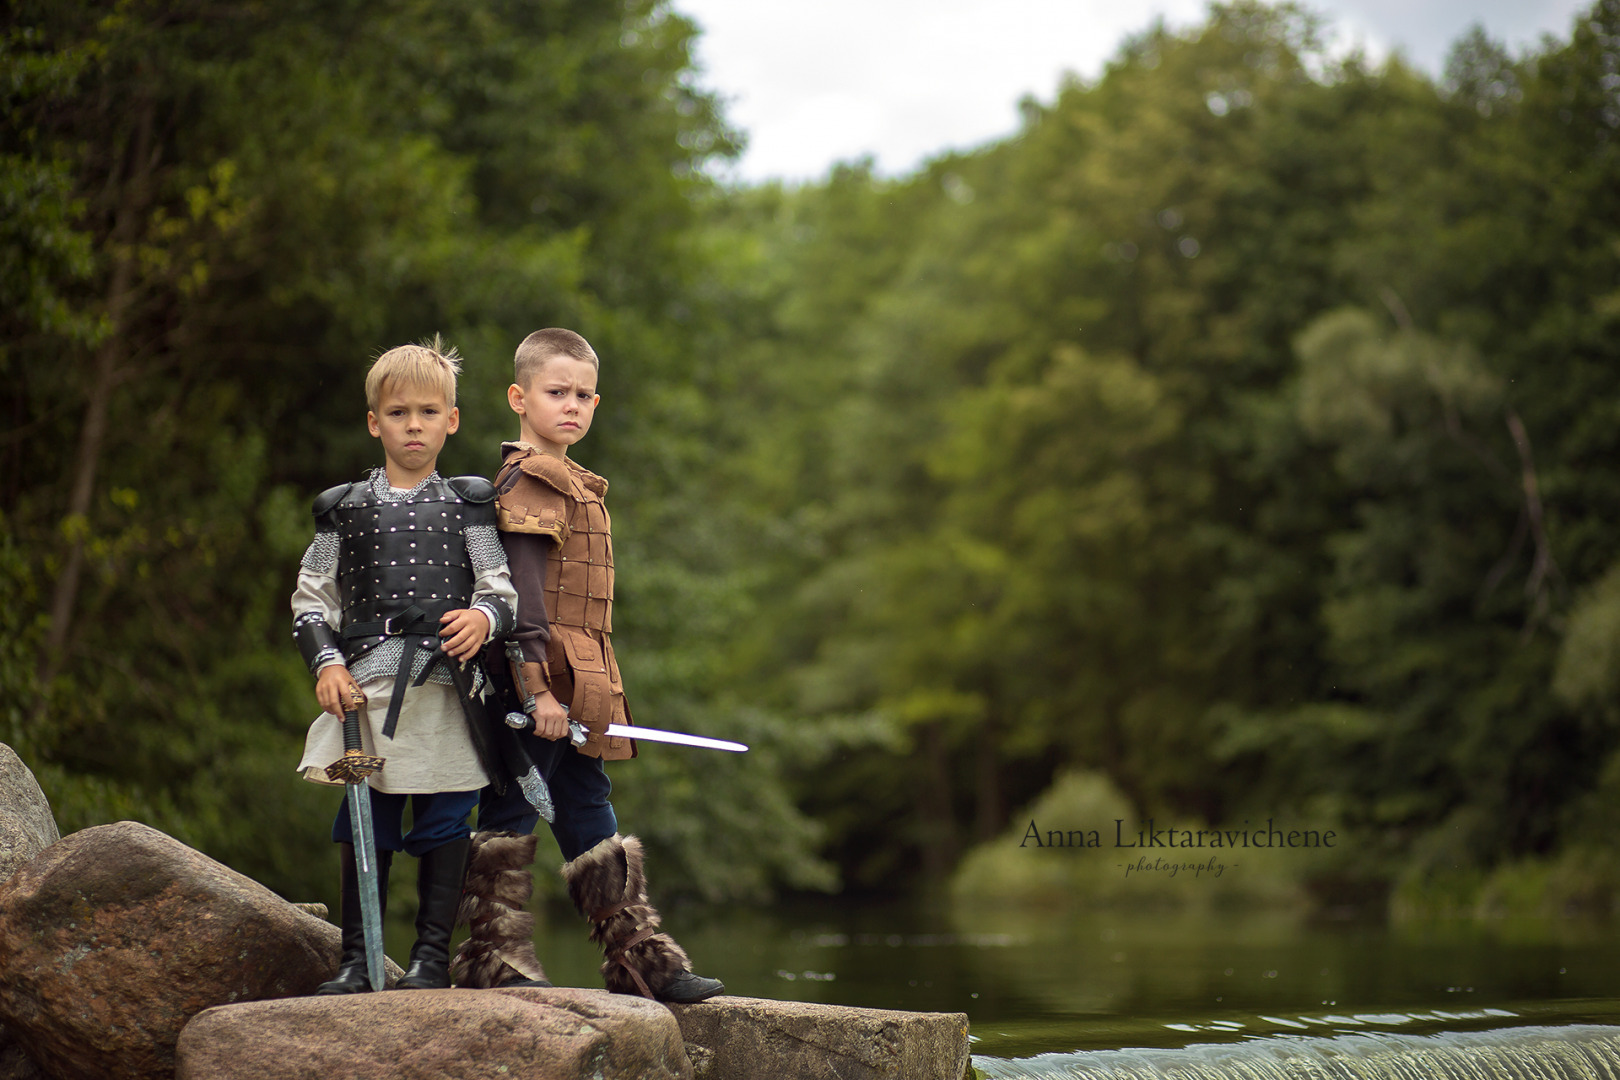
(396, 554)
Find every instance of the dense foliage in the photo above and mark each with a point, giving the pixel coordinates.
(216, 213)
(1242, 428)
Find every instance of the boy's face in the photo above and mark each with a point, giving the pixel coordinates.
(556, 408)
(412, 422)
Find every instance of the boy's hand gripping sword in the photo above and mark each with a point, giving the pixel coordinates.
(352, 769)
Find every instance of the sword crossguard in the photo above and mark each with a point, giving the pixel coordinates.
(353, 767)
(355, 764)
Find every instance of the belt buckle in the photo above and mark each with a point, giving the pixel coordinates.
(388, 626)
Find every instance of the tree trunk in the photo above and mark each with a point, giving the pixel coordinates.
(107, 372)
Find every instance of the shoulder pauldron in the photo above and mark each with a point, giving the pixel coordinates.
(531, 501)
(325, 503)
(475, 489)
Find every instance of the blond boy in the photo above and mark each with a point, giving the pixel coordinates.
(405, 577)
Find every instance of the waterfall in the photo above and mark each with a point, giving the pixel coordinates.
(1577, 1052)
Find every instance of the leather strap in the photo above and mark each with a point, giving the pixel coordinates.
(413, 620)
(608, 912)
(618, 957)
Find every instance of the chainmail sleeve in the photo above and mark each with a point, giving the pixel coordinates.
(484, 548)
(321, 557)
(493, 593)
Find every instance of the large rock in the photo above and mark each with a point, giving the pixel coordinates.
(26, 825)
(538, 1034)
(733, 1038)
(111, 939)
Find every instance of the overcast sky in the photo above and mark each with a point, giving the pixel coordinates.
(813, 83)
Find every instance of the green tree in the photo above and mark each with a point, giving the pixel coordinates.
(226, 208)
(1111, 485)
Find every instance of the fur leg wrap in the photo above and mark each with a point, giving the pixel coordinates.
(609, 887)
(501, 948)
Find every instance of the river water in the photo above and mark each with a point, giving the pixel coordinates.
(1135, 993)
(1058, 993)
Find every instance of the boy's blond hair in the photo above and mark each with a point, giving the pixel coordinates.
(427, 364)
(542, 345)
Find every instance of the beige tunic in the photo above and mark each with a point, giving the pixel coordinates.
(431, 750)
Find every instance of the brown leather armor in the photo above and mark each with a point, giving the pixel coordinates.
(554, 498)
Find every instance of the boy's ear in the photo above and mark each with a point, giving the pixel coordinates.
(371, 425)
(455, 420)
(514, 398)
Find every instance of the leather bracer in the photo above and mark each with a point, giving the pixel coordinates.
(317, 642)
(532, 679)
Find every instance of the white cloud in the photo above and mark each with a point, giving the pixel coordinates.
(903, 80)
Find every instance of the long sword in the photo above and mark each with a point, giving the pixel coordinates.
(576, 734)
(353, 768)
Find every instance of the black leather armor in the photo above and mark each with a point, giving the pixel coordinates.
(396, 555)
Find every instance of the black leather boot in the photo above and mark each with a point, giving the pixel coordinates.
(438, 886)
(352, 977)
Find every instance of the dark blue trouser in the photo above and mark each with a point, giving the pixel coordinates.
(436, 819)
(579, 790)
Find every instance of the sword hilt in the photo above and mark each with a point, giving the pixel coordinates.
(355, 764)
(351, 732)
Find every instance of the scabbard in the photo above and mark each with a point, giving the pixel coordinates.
(515, 756)
(499, 748)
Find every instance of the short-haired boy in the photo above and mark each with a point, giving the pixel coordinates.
(405, 577)
(559, 543)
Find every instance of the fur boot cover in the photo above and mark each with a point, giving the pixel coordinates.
(501, 948)
(609, 887)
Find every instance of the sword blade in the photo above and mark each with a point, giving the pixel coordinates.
(677, 738)
(365, 865)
